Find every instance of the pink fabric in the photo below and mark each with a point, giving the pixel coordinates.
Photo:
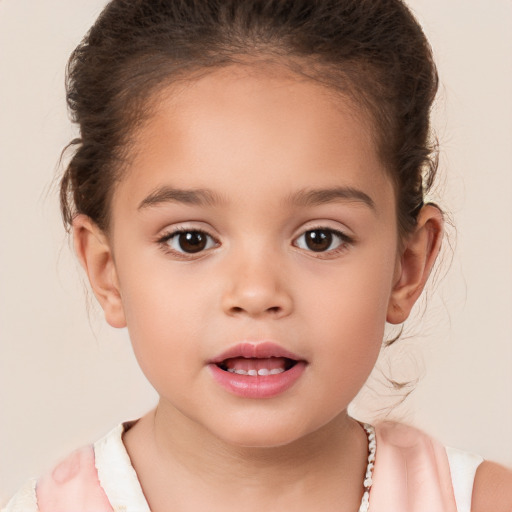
(73, 486)
(411, 472)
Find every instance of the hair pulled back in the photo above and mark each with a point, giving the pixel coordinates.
(372, 50)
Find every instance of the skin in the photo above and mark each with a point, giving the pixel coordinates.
(254, 137)
(492, 489)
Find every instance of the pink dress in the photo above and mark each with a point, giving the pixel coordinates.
(413, 473)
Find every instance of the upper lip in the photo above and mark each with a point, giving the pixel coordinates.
(259, 350)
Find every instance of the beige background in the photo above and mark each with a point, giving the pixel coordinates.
(65, 378)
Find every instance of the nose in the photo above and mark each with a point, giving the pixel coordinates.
(257, 287)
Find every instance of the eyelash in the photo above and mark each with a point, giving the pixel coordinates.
(165, 239)
(344, 242)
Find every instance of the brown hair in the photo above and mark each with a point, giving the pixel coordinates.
(372, 50)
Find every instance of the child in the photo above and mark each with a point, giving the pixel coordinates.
(247, 197)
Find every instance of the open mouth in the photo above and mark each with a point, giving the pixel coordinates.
(257, 370)
(253, 366)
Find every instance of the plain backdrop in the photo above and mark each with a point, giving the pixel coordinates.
(66, 378)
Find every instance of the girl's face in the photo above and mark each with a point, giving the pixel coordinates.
(254, 232)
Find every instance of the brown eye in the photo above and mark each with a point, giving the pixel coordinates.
(190, 242)
(318, 240)
(321, 240)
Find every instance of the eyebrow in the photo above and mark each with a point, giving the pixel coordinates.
(321, 196)
(304, 198)
(166, 194)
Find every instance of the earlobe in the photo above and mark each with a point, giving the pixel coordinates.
(415, 263)
(95, 255)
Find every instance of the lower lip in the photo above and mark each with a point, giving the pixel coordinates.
(258, 386)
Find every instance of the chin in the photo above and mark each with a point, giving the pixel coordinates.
(260, 433)
(260, 439)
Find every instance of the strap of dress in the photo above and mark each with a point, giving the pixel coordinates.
(411, 472)
(463, 466)
(73, 486)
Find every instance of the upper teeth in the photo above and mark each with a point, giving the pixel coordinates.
(261, 371)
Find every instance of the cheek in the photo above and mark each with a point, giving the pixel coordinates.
(355, 291)
(163, 314)
(349, 308)
(158, 294)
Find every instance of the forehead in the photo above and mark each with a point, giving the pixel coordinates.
(239, 127)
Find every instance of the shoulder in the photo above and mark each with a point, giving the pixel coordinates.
(95, 478)
(74, 482)
(479, 486)
(492, 489)
(72, 485)
(411, 471)
(418, 467)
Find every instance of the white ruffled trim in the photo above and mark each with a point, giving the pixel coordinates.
(117, 475)
(24, 500)
(463, 468)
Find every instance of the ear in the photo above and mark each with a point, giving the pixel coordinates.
(417, 258)
(95, 255)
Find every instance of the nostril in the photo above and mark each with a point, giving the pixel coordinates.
(256, 301)
(272, 310)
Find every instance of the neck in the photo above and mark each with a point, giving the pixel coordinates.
(326, 466)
